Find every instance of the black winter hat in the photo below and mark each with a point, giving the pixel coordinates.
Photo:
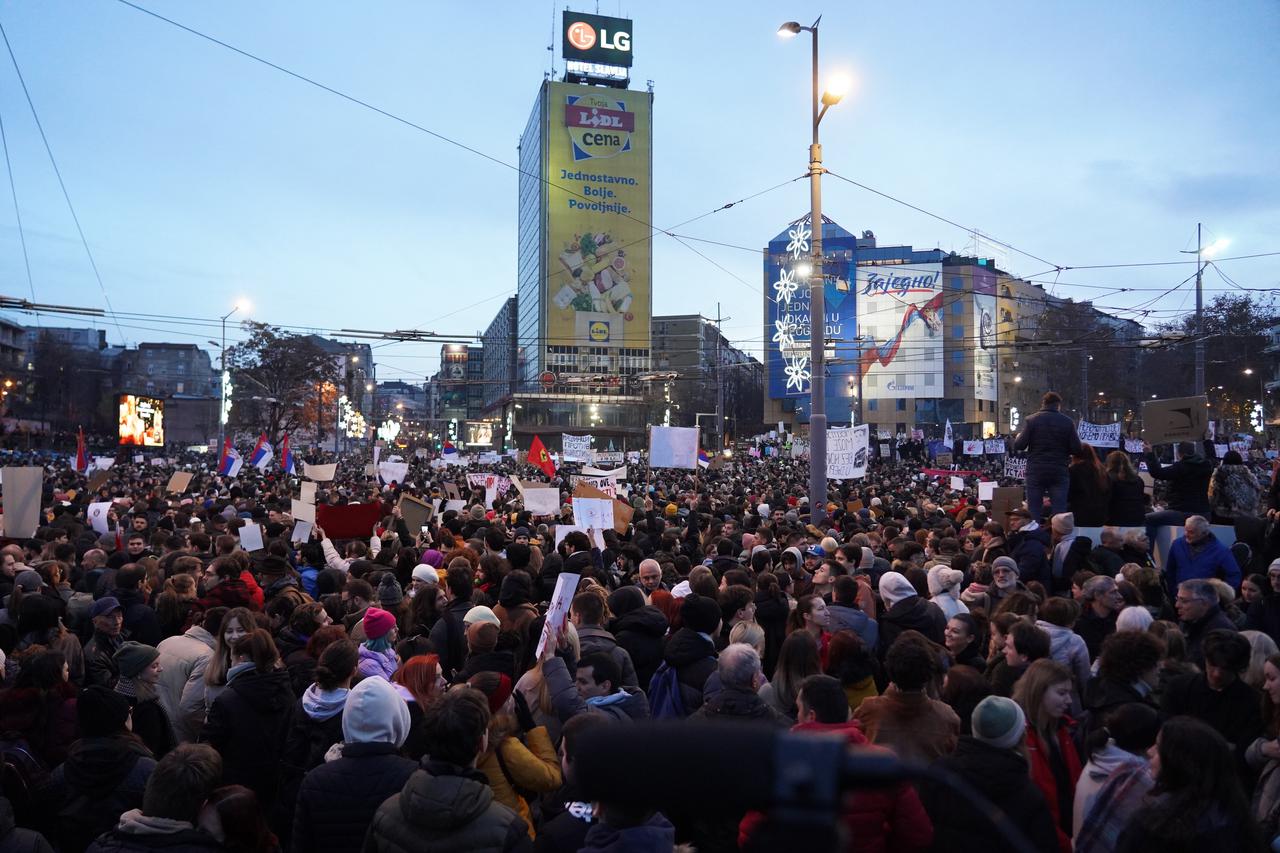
(700, 613)
(101, 712)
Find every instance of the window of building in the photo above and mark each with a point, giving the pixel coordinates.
(872, 405)
(902, 405)
(957, 356)
(957, 282)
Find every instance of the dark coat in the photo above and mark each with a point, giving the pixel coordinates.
(1029, 549)
(1235, 712)
(1101, 697)
(99, 667)
(247, 725)
(1188, 482)
(14, 839)
(337, 799)
(1264, 616)
(1000, 775)
(184, 841)
(694, 659)
(640, 633)
(735, 703)
(771, 615)
(1085, 499)
(911, 614)
(1127, 504)
(1195, 632)
(101, 778)
(140, 621)
(1093, 629)
(1049, 438)
(444, 808)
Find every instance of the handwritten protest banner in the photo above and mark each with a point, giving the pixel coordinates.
(577, 448)
(1099, 435)
(847, 452)
(1015, 467)
(994, 446)
(973, 448)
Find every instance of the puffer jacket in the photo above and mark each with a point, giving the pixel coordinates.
(247, 726)
(1048, 437)
(736, 703)
(138, 833)
(382, 664)
(882, 820)
(15, 839)
(1234, 492)
(1029, 547)
(656, 833)
(445, 808)
(694, 659)
(640, 633)
(532, 765)
(337, 799)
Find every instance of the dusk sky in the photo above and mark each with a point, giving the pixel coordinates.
(1084, 133)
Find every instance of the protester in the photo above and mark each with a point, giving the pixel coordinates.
(1044, 694)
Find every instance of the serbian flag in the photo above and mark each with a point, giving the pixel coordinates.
(231, 461)
(262, 452)
(286, 456)
(703, 460)
(539, 456)
(450, 452)
(82, 453)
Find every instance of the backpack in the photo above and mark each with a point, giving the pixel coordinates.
(665, 700)
(25, 782)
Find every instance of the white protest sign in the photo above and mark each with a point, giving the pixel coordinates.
(561, 598)
(593, 513)
(1099, 435)
(251, 537)
(103, 463)
(303, 511)
(847, 452)
(308, 492)
(577, 448)
(986, 490)
(319, 473)
(1015, 467)
(98, 517)
(615, 474)
(541, 501)
(673, 447)
(1220, 450)
(1133, 445)
(457, 506)
(596, 536)
(973, 448)
(393, 472)
(994, 447)
(957, 484)
(301, 531)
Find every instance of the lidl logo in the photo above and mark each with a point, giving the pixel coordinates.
(598, 126)
(598, 331)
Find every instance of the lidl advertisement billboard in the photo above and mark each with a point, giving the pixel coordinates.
(900, 318)
(599, 204)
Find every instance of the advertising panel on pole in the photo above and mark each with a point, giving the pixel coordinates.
(599, 204)
(900, 318)
(984, 334)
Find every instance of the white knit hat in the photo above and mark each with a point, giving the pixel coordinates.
(894, 588)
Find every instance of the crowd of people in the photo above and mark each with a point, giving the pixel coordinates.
(166, 689)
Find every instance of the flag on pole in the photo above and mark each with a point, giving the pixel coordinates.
(539, 456)
(450, 452)
(286, 456)
(82, 453)
(262, 453)
(946, 435)
(703, 460)
(231, 461)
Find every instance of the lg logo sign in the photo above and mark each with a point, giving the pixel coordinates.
(583, 36)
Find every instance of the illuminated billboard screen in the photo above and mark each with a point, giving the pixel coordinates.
(599, 204)
(141, 421)
(984, 330)
(900, 310)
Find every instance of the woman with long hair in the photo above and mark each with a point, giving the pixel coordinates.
(1263, 755)
(1233, 490)
(1088, 491)
(377, 652)
(854, 665)
(963, 687)
(1197, 803)
(1044, 693)
(513, 765)
(797, 661)
(140, 670)
(41, 706)
(419, 683)
(772, 611)
(811, 616)
(247, 720)
(236, 625)
(1127, 499)
(234, 816)
(175, 604)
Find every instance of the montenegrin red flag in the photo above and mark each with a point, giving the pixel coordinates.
(539, 456)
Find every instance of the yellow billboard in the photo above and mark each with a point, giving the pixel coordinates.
(599, 204)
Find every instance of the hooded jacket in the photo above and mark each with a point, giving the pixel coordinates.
(247, 725)
(139, 833)
(640, 634)
(315, 724)
(1068, 648)
(884, 820)
(737, 703)
(693, 657)
(1104, 763)
(102, 777)
(911, 614)
(531, 765)
(444, 808)
(853, 619)
(1188, 482)
(1000, 775)
(1029, 547)
(625, 704)
(656, 833)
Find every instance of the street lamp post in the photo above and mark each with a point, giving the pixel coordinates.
(817, 286)
(222, 426)
(1202, 251)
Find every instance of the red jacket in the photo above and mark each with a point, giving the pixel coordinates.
(886, 820)
(1042, 773)
(234, 592)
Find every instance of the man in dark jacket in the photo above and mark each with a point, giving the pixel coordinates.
(1188, 480)
(639, 628)
(140, 621)
(338, 799)
(1264, 614)
(179, 786)
(587, 615)
(691, 651)
(1029, 547)
(1049, 439)
(1199, 611)
(740, 677)
(905, 610)
(1101, 602)
(596, 688)
(107, 617)
(1218, 696)
(991, 763)
(446, 803)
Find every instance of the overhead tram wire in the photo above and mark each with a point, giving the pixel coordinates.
(58, 172)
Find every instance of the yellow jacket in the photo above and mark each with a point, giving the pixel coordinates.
(533, 767)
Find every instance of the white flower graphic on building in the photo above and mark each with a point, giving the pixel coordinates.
(799, 244)
(785, 334)
(786, 285)
(797, 373)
